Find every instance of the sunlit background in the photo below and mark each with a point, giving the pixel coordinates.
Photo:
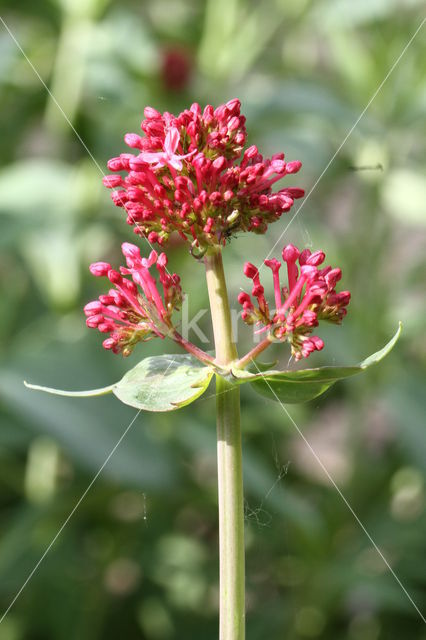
(138, 558)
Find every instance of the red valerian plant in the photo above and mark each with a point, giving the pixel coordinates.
(190, 175)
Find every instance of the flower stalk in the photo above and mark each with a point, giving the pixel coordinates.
(243, 362)
(191, 348)
(229, 459)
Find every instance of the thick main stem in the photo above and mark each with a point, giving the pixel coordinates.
(229, 456)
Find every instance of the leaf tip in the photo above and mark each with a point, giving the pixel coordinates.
(30, 386)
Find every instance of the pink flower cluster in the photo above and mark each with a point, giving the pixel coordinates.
(188, 176)
(134, 310)
(309, 297)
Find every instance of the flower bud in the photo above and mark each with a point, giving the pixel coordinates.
(131, 251)
(110, 182)
(133, 140)
(114, 276)
(151, 114)
(233, 105)
(290, 253)
(93, 308)
(99, 268)
(316, 258)
(273, 264)
(293, 167)
(333, 277)
(115, 164)
(250, 270)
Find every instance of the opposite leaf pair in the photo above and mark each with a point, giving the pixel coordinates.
(180, 379)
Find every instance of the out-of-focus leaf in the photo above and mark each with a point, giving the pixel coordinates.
(406, 405)
(41, 190)
(89, 430)
(269, 102)
(404, 196)
(56, 271)
(340, 13)
(36, 187)
(259, 481)
(301, 386)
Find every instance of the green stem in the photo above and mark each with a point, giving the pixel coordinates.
(229, 456)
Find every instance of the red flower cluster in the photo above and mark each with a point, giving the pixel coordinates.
(187, 177)
(309, 297)
(131, 314)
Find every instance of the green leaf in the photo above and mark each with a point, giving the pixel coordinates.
(164, 383)
(160, 383)
(256, 367)
(301, 386)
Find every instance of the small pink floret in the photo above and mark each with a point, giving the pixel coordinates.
(133, 140)
(99, 268)
(250, 270)
(290, 253)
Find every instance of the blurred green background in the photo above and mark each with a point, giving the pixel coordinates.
(138, 559)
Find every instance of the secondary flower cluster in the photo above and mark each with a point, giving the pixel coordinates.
(310, 296)
(188, 176)
(134, 310)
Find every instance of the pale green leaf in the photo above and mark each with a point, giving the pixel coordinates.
(158, 383)
(301, 386)
(164, 383)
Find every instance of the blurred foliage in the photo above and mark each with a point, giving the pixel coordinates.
(138, 558)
